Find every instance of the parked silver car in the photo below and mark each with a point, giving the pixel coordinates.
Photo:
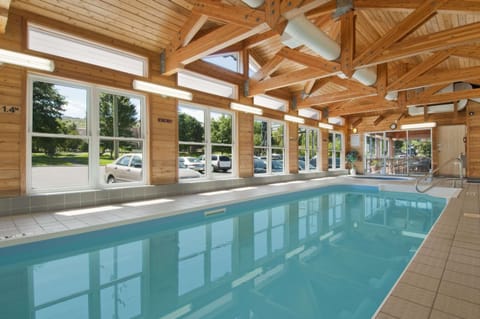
(192, 163)
(126, 168)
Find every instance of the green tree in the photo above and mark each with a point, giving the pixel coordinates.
(118, 118)
(190, 129)
(48, 107)
(221, 129)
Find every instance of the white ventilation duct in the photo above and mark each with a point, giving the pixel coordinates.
(253, 3)
(449, 107)
(300, 31)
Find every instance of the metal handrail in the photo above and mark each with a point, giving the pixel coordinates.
(429, 176)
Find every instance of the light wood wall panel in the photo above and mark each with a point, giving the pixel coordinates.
(244, 125)
(473, 140)
(12, 131)
(292, 138)
(163, 140)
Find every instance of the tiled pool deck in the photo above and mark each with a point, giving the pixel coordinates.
(443, 280)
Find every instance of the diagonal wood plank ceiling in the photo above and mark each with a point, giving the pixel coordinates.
(413, 45)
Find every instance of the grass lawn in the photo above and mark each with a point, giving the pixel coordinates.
(66, 159)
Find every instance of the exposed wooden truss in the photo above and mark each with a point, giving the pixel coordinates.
(246, 30)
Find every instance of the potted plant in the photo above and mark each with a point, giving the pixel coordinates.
(351, 157)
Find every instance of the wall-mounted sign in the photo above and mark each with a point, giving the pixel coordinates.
(9, 109)
(162, 120)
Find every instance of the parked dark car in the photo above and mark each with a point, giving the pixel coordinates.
(259, 166)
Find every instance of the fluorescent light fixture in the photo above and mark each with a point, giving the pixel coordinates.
(26, 60)
(162, 90)
(325, 126)
(418, 125)
(245, 108)
(292, 118)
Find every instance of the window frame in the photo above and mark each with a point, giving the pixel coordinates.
(207, 142)
(92, 133)
(269, 148)
(308, 148)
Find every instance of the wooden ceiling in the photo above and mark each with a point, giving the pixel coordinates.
(417, 46)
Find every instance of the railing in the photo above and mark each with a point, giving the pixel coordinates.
(428, 178)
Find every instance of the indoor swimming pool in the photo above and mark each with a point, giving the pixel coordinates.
(331, 252)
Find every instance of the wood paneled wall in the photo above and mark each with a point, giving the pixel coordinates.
(244, 125)
(473, 140)
(292, 138)
(12, 131)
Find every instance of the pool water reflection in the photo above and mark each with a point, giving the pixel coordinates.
(329, 253)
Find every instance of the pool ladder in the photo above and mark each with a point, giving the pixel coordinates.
(427, 179)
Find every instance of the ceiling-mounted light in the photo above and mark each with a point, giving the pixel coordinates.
(26, 60)
(162, 90)
(294, 119)
(325, 126)
(418, 125)
(246, 108)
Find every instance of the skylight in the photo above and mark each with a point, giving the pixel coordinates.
(67, 46)
(206, 84)
(309, 113)
(337, 120)
(270, 102)
(229, 61)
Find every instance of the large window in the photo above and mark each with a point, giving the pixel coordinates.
(308, 147)
(335, 150)
(82, 136)
(205, 141)
(269, 147)
(398, 152)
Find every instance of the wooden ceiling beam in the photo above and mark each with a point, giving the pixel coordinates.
(241, 16)
(378, 120)
(357, 122)
(292, 8)
(362, 106)
(308, 60)
(325, 9)
(215, 71)
(259, 39)
(210, 43)
(4, 9)
(268, 68)
(352, 85)
(347, 42)
(325, 99)
(272, 12)
(420, 69)
(444, 97)
(421, 14)
(285, 80)
(382, 79)
(319, 83)
(457, 5)
(443, 77)
(188, 31)
(441, 40)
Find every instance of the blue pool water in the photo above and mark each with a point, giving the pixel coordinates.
(333, 252)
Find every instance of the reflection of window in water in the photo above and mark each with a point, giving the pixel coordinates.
(308, 214)
(269, 231)
(336, 207)
(212, 244)
(69, 285)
